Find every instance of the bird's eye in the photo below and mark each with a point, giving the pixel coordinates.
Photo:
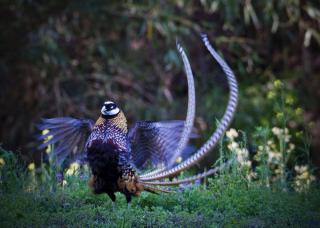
(109, 108)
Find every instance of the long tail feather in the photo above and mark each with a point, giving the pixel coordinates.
(224, 123)
(192, 178)
(155, 190)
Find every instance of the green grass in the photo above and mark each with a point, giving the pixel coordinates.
(227, 201)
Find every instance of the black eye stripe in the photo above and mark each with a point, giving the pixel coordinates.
(110, 107)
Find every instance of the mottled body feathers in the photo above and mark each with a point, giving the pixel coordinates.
(109, 157)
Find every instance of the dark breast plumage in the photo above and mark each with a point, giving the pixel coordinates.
(109, 156)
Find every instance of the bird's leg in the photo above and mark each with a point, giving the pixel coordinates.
(112, 196)
(99, 186)
(128, 198)
(113, 199)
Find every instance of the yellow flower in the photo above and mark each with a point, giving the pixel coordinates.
(271, 94)
(45, 131)
(49, 148)
(2, 162)
(289, 100)
(31, 166)
(277, 84)
(280, 115)
(304, 175)
(73, 169)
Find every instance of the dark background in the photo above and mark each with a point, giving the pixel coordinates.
(64, 58)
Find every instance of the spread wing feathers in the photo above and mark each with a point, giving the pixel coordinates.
(68, 135)
(156, 142)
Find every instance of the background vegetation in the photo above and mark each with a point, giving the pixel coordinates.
(64, 58)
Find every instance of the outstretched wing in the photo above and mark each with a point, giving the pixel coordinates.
(67, 135)
(156, 142)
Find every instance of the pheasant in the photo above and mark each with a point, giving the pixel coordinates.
(117, 153)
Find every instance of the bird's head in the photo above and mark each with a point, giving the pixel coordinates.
(112, 114)
(109, 110)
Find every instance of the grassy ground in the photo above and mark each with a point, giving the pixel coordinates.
(227, 201)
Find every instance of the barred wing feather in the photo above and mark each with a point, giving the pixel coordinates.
(68, 135)
(156, 142)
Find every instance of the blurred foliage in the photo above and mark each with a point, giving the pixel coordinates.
(66, 57)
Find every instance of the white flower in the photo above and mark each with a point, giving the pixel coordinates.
(270, 142)
(303, 178)
(274, 157)
(232, 134)
(291, 147)
(300, 169)
(287, 138)
(233, 146)
(243, 156)
(277, 131)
